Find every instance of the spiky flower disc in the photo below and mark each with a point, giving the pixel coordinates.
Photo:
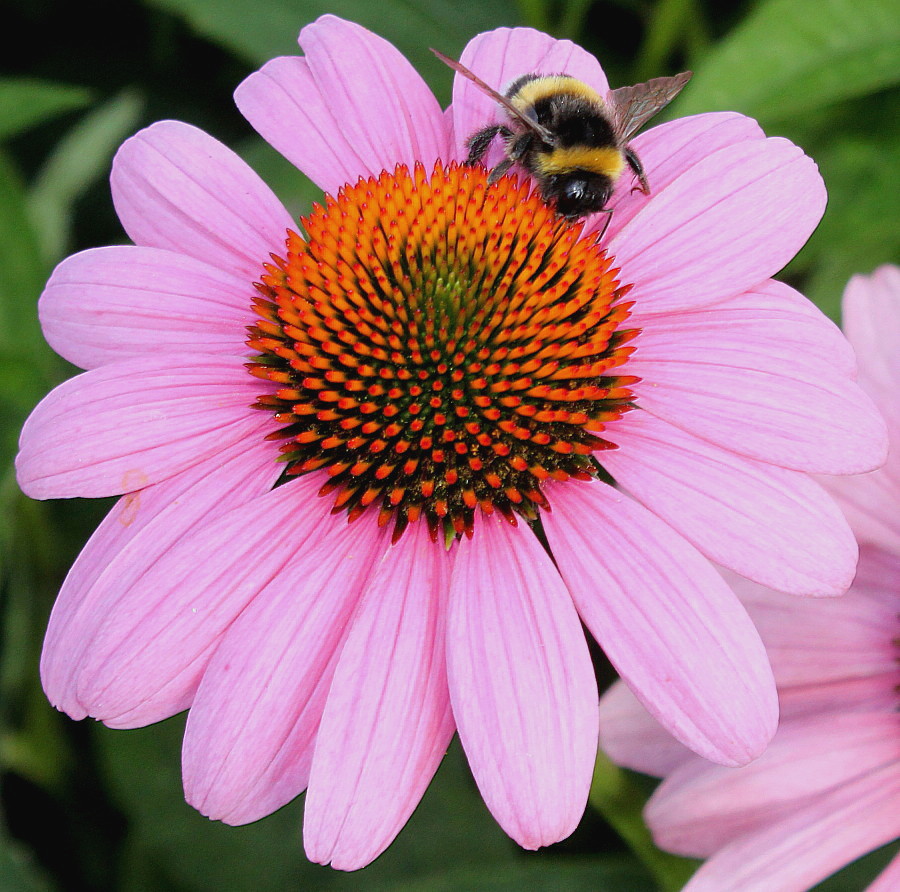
(441, 345)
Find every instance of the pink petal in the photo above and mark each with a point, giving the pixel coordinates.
(251, 729)
(817, 643)
(770, 326)
(772, 525)
(176, 187)
(499, 57)
(796, 318)
(521, 684)
(352, 107)
(869, 501)
(387, 720)
(160, 627)
(675, 632)
(875, 693)
(667, 151)
(878, 577)
(632, 738)
(108, 304)
(121, 427)
(726, 224)
(790, 855)
(140, 528)
(748, 397)
(700, 807)
(871, 309)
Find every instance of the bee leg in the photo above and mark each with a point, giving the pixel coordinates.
(478, 142)
(608, 212)
(517, 148)
(638, 169)
(500, 169)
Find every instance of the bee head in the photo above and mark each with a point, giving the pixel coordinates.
(577, 194)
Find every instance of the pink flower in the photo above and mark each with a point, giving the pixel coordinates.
(827, 790)
(446, 360)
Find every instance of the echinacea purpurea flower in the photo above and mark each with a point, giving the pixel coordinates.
(448, 363)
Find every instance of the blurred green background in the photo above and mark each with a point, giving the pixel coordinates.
(85, 808)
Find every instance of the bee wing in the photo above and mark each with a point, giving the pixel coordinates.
(537, 129)
(634, 106)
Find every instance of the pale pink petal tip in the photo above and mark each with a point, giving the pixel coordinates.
(871, 309)
(352, 106)
(667, 621)
(726, 224)
(788, 853)
(387, 721)
(250, 733)
(109, 304)
(92, 437)
(521, 683)
(128, 624)
(632, 738)
(176, 187)
(770, 524)
(700, 808)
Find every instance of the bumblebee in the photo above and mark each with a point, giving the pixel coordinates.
(573, 141)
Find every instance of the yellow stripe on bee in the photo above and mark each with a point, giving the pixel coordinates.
(551, 85)
(606, 161)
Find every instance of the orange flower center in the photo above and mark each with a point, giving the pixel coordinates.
(440, 346)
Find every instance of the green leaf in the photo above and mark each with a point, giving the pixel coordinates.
(22, 271)
(536, 13)
(18, 873)
(450, 843)
(25, 103)
(616, 795)
(258, 31)
(673, 24)
(28, 367)
(30, 739)
(171, 846)
(859, 230)
(80, 158)
(791, 56)
(598, 874)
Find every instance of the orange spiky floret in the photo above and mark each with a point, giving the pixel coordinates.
(462, 325)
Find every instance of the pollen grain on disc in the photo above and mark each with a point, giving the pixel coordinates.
(441, 346)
